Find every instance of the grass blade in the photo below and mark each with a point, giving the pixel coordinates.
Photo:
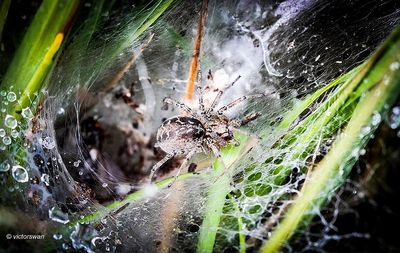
(4, 6)
(33, 57)
(217, 194)
(304, 104)
(332, 170)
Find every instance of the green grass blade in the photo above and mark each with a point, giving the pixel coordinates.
(33, 57)
(331, 171)
(4, 6)
(93, 60)
(213, 210)
(304, 104)
(217, 193)
(131, 198)
(242, 238)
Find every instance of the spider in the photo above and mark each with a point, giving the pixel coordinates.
(202, 130)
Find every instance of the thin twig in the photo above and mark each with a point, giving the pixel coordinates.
(194, 66)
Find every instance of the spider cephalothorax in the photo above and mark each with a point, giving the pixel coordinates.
(220, 128)
(202, 130)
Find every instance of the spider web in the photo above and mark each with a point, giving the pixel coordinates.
(95, 145)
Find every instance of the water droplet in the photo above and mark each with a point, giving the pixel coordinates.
(11, 97)
(57, 236)
(355, 152)
(48, 143)
(57, 215)
(27, 113)
(60, 111)
(104, 185)
(394, 66)
(3, 93)
(19, 173)
(363, 151)
(4, 166)
(76, 163)
(365, 130)
(376, 118)
(6, 140)
(81, 237)
(14, 133)
(65, 246)
(394, 118)
(103, 221)
(80, 173)
(2, 132)
(45, 178)
(10, 122)
(150, 190)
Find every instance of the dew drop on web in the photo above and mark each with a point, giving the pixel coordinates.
(10, 122)
(19, 173)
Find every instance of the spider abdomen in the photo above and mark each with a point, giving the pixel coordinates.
(180, 134)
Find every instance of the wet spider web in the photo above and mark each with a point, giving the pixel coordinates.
(93, 143)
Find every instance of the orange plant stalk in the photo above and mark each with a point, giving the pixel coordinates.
(194, 66)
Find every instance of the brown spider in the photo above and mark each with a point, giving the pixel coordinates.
(202, 130)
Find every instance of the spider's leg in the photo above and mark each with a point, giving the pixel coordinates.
(249, 118)
(201, 98)
(159, 164)
(235, 142)
(216, 152)
(199, 77)
(209, 142)
(200, 90)
(238, 101)
(219, 95)
(184, 163)
(178, 104)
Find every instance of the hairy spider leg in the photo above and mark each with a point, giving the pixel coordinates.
(234, 142)
(199, 80)
(239, 100)
(211, 145)
(249, 118)
(178, 104)
(200, 90)
(184, 163)
(201, 98)
(159, 164)
(217, 154)
(219, 94)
